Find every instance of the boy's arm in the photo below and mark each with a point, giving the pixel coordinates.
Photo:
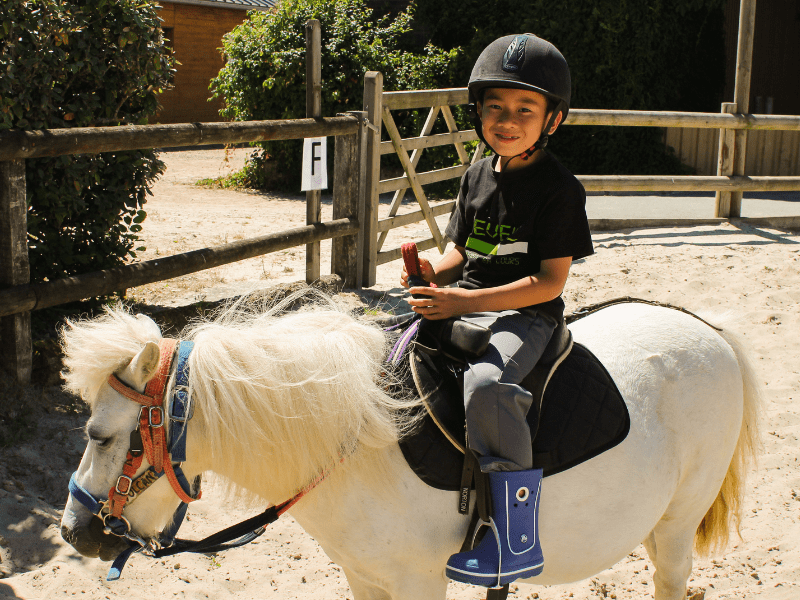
(547, 284)
(449, 269)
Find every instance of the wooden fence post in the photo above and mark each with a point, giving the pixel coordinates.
(373, 106)
(725, 162)
(16, 346)
(313, 110)
(349, 169)
(741, 95)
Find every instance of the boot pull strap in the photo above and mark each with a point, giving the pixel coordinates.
(483, 501)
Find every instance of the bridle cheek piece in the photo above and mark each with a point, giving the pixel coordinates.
(153, 436)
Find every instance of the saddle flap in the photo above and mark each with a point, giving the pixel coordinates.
(438, 393)
(581, 415)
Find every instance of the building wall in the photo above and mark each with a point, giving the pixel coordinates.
(775, 153)
(776, 56)
(774, 89)
(195, 33)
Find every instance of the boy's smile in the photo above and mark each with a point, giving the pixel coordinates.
(512, 121)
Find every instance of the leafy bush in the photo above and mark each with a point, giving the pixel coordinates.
(79, 63)
(623, 54)
(264, 76)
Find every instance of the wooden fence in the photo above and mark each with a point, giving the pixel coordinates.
(18, 296)
(379, 106)
(357, 231)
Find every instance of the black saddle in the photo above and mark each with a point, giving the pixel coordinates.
(577, 411)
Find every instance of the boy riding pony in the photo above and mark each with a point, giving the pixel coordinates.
(519, 222)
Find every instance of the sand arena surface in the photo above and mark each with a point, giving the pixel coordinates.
(754, 272)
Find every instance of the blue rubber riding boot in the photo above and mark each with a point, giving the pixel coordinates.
(511, 549)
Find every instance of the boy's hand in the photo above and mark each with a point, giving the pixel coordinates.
(426, 270)
(441, 303)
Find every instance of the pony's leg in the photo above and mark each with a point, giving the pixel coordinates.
(363, 590)
(410, 587)
(650, 545)
(673, 560)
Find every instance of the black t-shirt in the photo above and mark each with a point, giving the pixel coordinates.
(510, 221)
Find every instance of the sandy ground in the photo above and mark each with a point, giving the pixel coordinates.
(755, 272)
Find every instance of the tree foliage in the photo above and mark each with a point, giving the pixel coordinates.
(79, 63)
(623, 54)
(264, 76)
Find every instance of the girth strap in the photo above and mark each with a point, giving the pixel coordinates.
(497, 593)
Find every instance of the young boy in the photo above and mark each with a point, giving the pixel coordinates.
(519, 223)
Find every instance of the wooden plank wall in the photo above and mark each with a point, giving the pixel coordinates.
(776, 55)
(197, 34)
(768, 152)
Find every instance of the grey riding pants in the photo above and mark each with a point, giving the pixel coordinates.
(496, 406)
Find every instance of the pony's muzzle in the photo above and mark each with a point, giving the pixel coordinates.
(92, 542)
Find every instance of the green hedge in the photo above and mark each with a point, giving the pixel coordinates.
(264, 75)
(79, 63)
(623, 54)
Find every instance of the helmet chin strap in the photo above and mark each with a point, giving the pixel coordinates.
(543, 138)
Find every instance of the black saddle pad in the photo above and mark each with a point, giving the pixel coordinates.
(582, 415)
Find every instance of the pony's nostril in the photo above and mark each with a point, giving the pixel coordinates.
(66, 534)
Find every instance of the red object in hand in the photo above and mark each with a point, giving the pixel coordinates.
(413, 268)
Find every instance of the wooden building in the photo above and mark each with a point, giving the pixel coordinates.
(775, 82)
(194, 29)
(774, 89)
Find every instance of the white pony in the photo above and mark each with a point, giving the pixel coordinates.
(281, 398)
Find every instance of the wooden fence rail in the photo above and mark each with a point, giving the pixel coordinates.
(81, 140)
(589, 116)
(100, 283)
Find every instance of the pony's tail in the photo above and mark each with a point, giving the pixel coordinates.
(713, 532)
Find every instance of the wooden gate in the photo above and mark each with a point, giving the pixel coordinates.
(379, 106)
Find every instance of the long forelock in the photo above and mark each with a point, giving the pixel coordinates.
(95, 348)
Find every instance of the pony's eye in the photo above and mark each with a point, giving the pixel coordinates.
(101, 442)
(95, 436)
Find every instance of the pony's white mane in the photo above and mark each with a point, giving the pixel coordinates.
(279, 397)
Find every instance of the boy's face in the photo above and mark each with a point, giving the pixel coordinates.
(513, 119)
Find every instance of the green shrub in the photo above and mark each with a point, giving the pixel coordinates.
(79, 63)
(623, 54)
(264, 76)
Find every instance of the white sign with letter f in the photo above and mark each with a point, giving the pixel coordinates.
(315, 164)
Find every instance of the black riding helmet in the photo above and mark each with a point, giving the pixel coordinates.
(524, 62)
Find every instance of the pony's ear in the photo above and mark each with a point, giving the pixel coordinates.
(143, 366)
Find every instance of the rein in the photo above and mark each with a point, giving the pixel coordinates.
(149, 440)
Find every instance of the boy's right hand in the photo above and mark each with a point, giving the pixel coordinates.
(426, 271)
